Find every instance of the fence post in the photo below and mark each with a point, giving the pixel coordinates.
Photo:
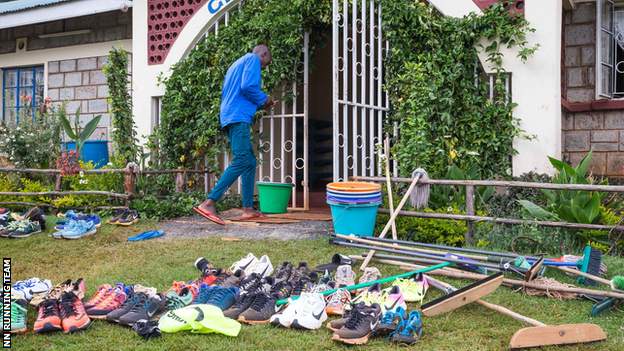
(130, 180)
(180, 181)
(469, 237)
(58, 182)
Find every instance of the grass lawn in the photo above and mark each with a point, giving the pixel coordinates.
(108, 258)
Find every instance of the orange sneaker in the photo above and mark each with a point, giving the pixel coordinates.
(74, 317)
(101, 294)
(48, 318)
(113, 301)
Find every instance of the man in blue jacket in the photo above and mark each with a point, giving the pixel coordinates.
(241, 97)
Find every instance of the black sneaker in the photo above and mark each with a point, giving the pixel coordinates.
(260, 310)
(242, 304)
(146, 329)
(283, 272)
(117, 215)
(203, 266)
(131, 217)
(251, 283)
(234, 280)
(36, 214)
(150, 308)
(337, 260)
(304, 284)
(134, 299)
(358, 328)
(281, 290)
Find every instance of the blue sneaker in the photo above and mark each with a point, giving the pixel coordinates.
(73, 216)
(390, 321)
(409, 331)
(69, 225)
(81, 229)
(222, 297)
(203, 295)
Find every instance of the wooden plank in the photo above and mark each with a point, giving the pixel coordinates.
(303, 216)
(268, 220)
(503, 183)
(533, 272)
(459, 297)
(556, 335)
(463, 296)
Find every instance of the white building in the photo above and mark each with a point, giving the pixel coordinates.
(56, 48)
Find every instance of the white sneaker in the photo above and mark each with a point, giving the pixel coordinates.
(286, 316)
(32, 286)
(310, 312)
(262, 267)
(245, 264)
(345, 276)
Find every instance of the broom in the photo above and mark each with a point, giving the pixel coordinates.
(419, 197)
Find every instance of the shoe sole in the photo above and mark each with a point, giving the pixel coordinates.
(250, 322)
(404, 340)
(328, 325)
(356, 341)
(48, 328)
(81, 235)
(126, 224)
(77, 329)
(296, 325)
(278, 323)
(100, 317)
(23, 236)
(19, 331)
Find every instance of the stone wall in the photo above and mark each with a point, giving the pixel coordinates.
(599, 130)
(108, 26)
(80, 83)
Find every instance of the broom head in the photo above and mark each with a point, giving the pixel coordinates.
(556, 335)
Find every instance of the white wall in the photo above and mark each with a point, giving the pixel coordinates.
(536, 84)
(145, 77)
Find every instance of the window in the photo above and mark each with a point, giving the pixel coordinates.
(21, 88)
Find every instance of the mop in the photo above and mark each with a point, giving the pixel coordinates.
(419, 197)
(539, 334)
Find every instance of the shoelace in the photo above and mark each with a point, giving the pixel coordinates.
(50, 308)
(259, 302)
(338, 298)
(68, 308)
(388, 317)
(18, 312)
(243, 301)
(355, 318)
(174, 302)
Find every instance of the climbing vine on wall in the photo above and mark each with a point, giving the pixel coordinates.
(190, 114)
(124, 133)
(445, 116)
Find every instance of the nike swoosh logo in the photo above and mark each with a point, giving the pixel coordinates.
(317, 317)
(200, 314)
(264, 271)
(245, 266)
(373, 325)
(393, 305)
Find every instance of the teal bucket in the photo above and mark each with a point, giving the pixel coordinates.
(356, 219)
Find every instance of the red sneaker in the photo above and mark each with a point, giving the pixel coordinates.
(73, 315)
(48, 317)
(112, 302)
(102, 293)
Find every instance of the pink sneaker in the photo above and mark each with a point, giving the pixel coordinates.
(392, 299)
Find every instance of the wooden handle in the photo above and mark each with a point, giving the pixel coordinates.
(586, 275)
(512, 314)
(391, 220)
(389, 185)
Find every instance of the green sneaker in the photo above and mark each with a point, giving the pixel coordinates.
(176, 301)
(19, 308)
(179, 320)
(25, 229)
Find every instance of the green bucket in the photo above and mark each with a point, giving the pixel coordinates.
(274, 197)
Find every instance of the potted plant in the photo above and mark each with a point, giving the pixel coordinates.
(76, 133)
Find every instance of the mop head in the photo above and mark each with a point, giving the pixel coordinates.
(617, 282)
(419, 198)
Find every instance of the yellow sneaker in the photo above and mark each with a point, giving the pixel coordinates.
(413, 288)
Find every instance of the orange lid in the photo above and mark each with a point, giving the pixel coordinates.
(354, 187)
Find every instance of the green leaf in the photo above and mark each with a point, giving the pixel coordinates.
(90, 128)
(581, 169)
(67, 127)
(536, 211)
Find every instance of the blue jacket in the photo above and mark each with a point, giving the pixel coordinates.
(241, 96)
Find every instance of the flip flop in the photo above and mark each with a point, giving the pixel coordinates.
(209, 216)
(257, 215)
(150, 234)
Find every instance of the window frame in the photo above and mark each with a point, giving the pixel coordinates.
(18, 88)
(600, 63)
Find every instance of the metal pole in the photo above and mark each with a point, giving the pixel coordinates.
(345, 91)
(306, 84)
(335, 87)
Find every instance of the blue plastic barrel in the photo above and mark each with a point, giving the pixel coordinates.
(95, 151)
(356, 219)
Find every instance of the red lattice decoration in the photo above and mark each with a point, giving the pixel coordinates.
(516, 7)
(165, 21)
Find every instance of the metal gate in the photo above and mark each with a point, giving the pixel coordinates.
(360, 103)
(282, 134)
